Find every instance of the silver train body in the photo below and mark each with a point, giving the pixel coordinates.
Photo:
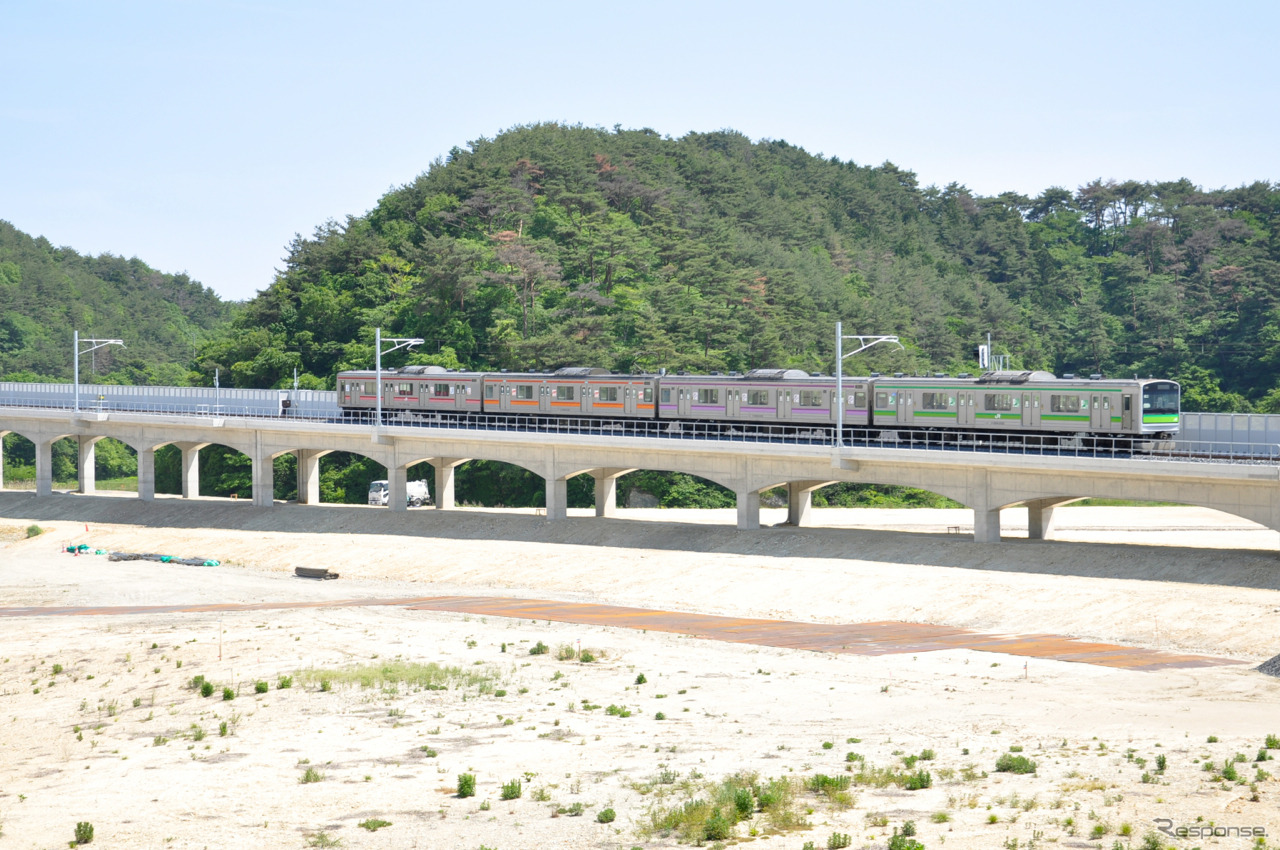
(897, 407)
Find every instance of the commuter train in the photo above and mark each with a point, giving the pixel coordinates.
(896, 408)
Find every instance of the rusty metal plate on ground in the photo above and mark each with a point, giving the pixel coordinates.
(878, 638)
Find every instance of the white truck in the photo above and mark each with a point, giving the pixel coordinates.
(417, 495)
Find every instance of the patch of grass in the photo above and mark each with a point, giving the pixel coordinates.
(427, 677)
(324, 839)
(428, 752)
(539, 648)
(284, 682)
(511, 790)
(940, 817)
(1009, 763)
(1273, 742)
(618, 711)
(373, 824)
(35, 531)
(311, 775)
(839, 840)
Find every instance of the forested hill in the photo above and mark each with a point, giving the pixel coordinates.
(553, 245)
(46, 293)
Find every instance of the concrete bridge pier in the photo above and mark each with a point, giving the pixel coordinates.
(444, 467)
(147, 473)
(557, 497)
(190, 468)
(800, 500)
(398, 488)
(264, 478)
(44, 467)
(309, 475)
(85, 463)
(748, 509)
(1040, 517)
(606, 481)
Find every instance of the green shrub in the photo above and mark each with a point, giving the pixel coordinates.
(1009, 763)
(826, 745)
(228, 694)
(718, 828)
(940, 817)
(839, 840)
(1161, 763)
(539, 648)
(259, 687)
(586, 656)
(1212, 739)
(903, 842)
(466, 784)
(605, 816)
(640, 680)
(36, 531)
(284, 682)
(659, 716)
(373, 824)
(311, 775)
(57, 668)
(618, 711)
(918, 781)
(909, 828)
(428, 752)
(511, 790)
(566, 652)
(84, 832)
(1273, 742)
(222, 729)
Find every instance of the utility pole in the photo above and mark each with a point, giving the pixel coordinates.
(865, 341)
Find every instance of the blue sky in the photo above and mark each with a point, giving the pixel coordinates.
(201, 136)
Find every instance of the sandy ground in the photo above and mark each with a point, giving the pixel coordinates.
(114, 736)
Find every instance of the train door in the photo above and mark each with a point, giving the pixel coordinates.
(544, 391)
(588, 397)
(1126, 422)
(459, 395)
(1099, 418)
(1030, 410)
(685, 400)
(732, 401)
(784, 403)
(964, 409)
(905, 407)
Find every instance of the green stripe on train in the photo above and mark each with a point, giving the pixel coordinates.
(1160, 417)
(933, 413)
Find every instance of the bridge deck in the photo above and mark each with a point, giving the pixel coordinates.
(877, 638)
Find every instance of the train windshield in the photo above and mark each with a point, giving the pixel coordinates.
(1160, 398)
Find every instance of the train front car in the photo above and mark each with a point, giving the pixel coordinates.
(787, 402)
(430, 393)
(1161, 415)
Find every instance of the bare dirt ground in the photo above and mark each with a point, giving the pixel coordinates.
(102, 726)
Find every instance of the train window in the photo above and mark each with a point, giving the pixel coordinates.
(758, 397)
(811, 398)
(666, 395)
(565, 393)
(404, 389)
(708, 396)
(998, 401)
(1128, 403)
(488, 390)
(524, 391)
(647, 395)
(608, 393)
(440, 391)
(882, 400)
(1066, 403)
(860, 400)
(370, 388)
(933, 401)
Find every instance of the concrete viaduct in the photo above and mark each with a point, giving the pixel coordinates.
(984, 482)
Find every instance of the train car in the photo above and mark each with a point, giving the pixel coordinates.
(789, 396)
(1028, 402)
(410, 391)
(571, 392)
